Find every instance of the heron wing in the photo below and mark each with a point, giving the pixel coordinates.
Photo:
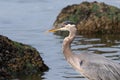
(97, 67)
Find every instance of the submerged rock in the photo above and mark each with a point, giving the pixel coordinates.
(91, 17)
(17, 58)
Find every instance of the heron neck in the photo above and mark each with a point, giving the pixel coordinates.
(67, 44)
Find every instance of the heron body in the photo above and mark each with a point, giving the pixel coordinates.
(90, 65)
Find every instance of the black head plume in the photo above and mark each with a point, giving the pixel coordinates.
(67, 22)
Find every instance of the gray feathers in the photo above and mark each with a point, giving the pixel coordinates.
(97, 67)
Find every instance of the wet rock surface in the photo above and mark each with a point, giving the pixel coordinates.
(17, 58)
(91, 17)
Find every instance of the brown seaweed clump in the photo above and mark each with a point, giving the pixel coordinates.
(17, 58)
(91, 17)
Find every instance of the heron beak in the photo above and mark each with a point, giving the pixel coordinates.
(53, 30)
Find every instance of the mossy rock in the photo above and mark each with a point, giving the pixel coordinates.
(17, 58)
(91, 17)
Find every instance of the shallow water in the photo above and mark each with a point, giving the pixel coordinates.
(27, 20)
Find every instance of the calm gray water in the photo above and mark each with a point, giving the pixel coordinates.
(27, 20)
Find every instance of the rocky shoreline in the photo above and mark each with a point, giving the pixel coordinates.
(17, 58)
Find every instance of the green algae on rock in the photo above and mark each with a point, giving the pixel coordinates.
(91, 17)
(17, 58)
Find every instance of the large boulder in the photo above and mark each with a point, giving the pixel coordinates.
(17, 58)
(91, 17)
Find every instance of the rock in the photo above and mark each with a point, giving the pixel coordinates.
(91, 17)
(17, 58)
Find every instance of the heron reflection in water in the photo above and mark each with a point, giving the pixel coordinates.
(91, 66)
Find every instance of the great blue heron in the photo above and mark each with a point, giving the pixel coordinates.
(90, 65)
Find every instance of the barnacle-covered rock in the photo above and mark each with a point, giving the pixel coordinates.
(91, 17)
(17, 58)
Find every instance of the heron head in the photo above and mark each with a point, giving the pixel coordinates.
(65, 26)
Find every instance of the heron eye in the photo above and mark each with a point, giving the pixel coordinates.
(63, 25)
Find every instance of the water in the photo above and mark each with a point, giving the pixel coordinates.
(27, 20)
